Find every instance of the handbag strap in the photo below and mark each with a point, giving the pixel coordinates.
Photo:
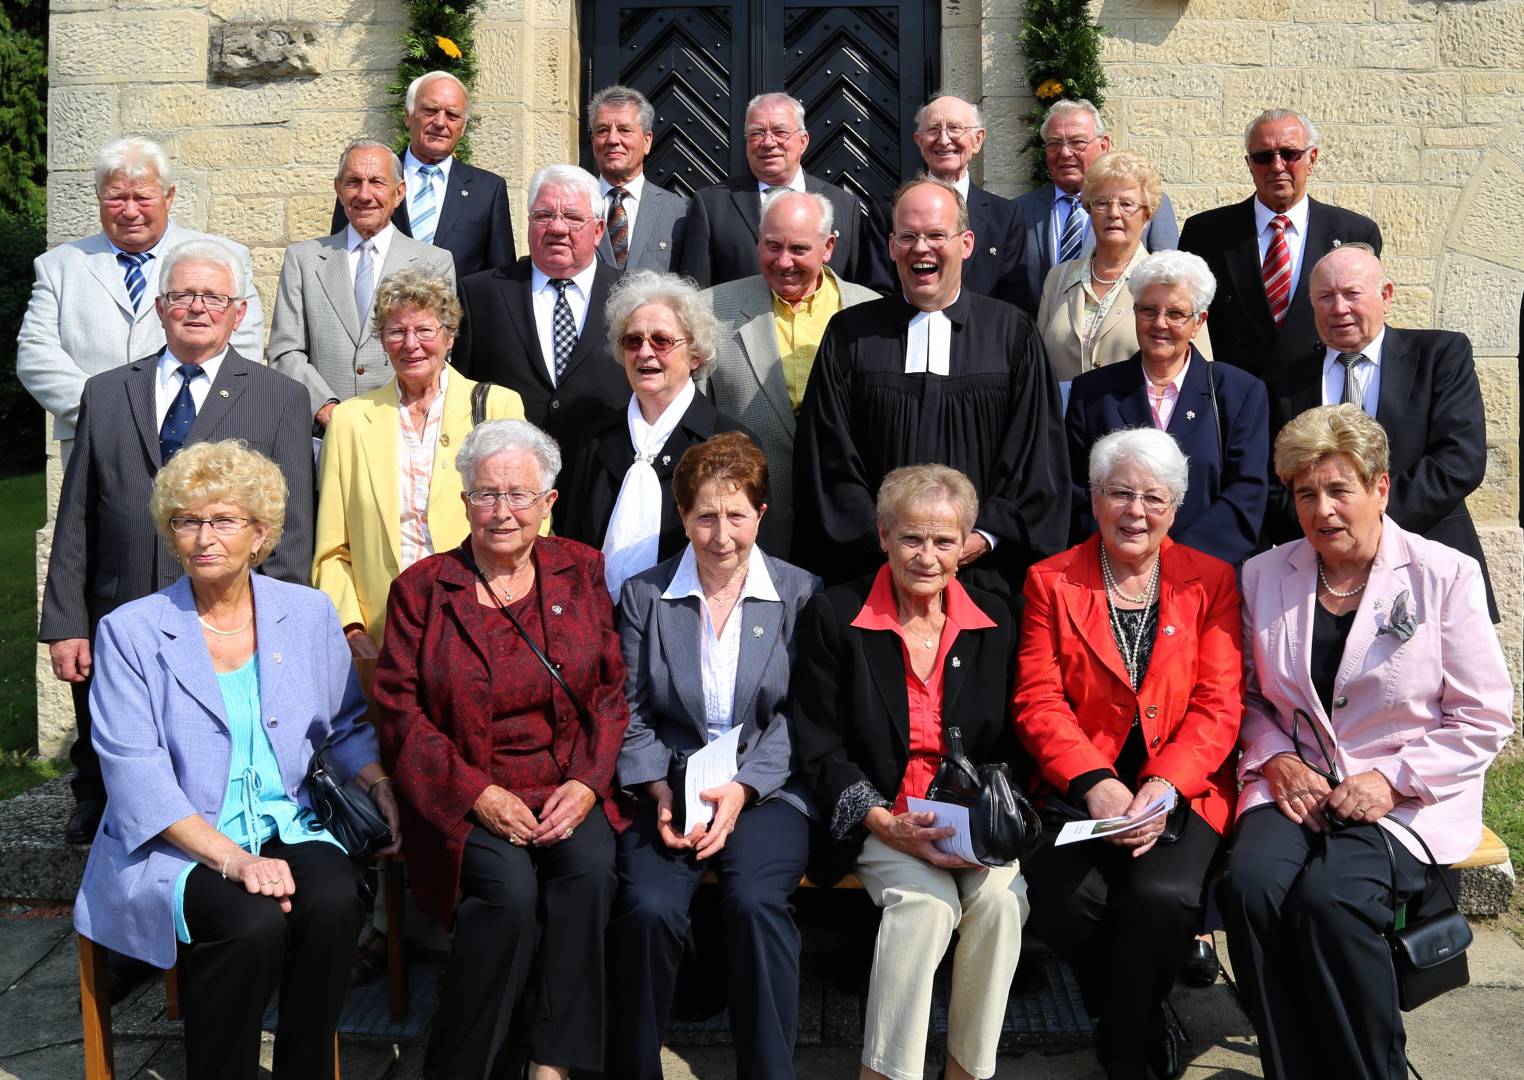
(479, 394)
(1433, 865)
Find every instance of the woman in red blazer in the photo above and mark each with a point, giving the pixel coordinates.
(1128, 689)
(507, 793)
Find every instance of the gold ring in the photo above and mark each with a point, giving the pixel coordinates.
(567, 835)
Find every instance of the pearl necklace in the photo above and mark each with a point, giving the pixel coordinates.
(1112, 587)
(1103, 281)
(1132, 647)
(226, 633)
(1356, 591)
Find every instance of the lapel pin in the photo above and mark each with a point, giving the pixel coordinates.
(464, 193)
(992, 251)
(444, 439)
(555, 609)
(1377, 605)
(1169, 631)
(222, 393)
(1190, 414)
(662, 244)
(666, 459)
(756, 631)
(1338, 243)
(277, 658)
(956, 662)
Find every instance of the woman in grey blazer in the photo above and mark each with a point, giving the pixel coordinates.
(708, 639)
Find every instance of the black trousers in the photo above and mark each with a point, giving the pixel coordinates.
(510, 897)
(88, 785)
(244, 947)
(1122, 925)
(758, 868)
(1305, 914)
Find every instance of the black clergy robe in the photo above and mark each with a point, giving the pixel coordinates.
(996, 416)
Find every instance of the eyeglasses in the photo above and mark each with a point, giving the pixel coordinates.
(546, 218)
(517, 499)
(1288, 154)
(934, 240)
(427, 335)
(1079, 146)
(1173, 316)
(783, 135)
(952, 131)
(211, 301)
(222, 526)
(1126, 207)
(1154, 502)
(661, 344)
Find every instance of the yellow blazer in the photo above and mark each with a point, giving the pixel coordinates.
(358, 546)
(1061, 317)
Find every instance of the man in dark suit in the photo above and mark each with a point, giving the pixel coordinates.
(132, 419)
(1053, 225)
(1262, 249)
(723, 219)
(537, 326)
(1420, 384)
(646, 223)
(449, 204)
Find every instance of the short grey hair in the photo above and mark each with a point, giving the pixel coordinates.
(1269, 116)
(1176, 268)
(619, 97)
(134, 158)
(937, 96)
(1063, 108)
(777, 97)
(205, 250)
(493, 437)
(370, 144)
(911, 487)
(566, 176)
(410, 99)
(1146, 447)
(680, 296)
(822, 204)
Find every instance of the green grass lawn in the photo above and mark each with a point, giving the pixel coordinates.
(1503, 804)
(22, 511)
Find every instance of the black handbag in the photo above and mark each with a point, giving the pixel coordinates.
(1428, 953)
(346, 810)
(677, 781)
(479, 404)
(1002, 823)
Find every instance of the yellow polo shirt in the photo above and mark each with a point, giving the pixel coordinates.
(799, 329)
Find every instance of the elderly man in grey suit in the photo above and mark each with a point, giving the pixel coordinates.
(646, 223)
(1057, 228)
(770, 327)
(132, 419)
(320, 334)
(92, 300)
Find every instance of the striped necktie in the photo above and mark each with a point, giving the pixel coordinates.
(1277, 270)
(1074, 230)
(181, 415)
(132, 271)
(619, 225)
(1352, 394)
(423, 215)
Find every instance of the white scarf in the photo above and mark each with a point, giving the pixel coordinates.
(634, 530)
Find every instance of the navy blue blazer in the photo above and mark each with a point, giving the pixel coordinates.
(1227, 480)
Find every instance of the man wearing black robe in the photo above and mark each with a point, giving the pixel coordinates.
(936, 375)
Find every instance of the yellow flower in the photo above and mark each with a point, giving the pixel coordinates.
(1049, 89)
(448, 47)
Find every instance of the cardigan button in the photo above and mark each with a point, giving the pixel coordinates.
(274, 722)
(360, 370)
(555, 404)
(1340, 701)
(1151, 712)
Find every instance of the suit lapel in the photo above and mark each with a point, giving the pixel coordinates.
(680, 626)
(1241, 253)
(232, 380)
(886, 662)
(1298, 594)
(592, 326)
(1043, 227)
(756, 650)
(1193, 411)
(1397, 369)
(518, 301)
(1089, 612)
(140, 400)
(275, 644)
(377, 449)
(748, 202)
(1132, 405)
(759, 341)
(339, 285)
(1384, 582)
(1175, 615)
(185, 654)
(444, 485)
(105, 268)
(457, 188)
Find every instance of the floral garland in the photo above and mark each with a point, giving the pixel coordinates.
(440, 36)
(1062, 44)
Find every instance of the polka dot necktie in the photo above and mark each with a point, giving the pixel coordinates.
(181, 415)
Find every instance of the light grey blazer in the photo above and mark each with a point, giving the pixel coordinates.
(665, 684)
(80, 320)
(660, 226)
(746, 384)
(315, 334)
(161, 730)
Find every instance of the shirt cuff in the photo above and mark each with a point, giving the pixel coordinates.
(988, 538)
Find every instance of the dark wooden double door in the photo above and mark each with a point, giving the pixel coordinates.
(861, 71)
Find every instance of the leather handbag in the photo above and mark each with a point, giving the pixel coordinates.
(346, 810)
(479, 402)
(1428, 953)
(1002, 823)
(677, 781)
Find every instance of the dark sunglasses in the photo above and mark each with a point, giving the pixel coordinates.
(1288, 154)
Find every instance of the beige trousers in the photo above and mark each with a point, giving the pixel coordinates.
(923, 905)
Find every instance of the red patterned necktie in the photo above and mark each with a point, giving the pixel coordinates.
(1277, 270)
(619, 225)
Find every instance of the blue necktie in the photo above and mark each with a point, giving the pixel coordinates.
(132, 270)
(1074, 230)
(181, 415)
(424, 214)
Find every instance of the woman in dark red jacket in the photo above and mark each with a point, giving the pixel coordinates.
(1130, 664)
(506, 784)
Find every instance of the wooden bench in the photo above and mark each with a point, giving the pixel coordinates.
(1490, 852)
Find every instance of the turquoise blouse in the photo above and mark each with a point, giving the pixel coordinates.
(255, 807)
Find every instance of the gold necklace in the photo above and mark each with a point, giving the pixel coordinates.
(507, 590)
(226, 633)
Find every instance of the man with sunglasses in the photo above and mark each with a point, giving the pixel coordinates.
(1262, 250)
(537, 327)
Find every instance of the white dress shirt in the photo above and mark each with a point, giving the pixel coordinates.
(1296, 235)
(720, 653)
(796, 184)
(962, 183)
(414, 179)
(1367, 375)
(383, 243)
(634, 188)
(167, 386)
(543, 296)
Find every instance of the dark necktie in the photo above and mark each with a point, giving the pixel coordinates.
(1073, 237)
(619, 226)
(1352, 395)
(1277, 271)
(181, 415)
(563, 328)
(132, 272)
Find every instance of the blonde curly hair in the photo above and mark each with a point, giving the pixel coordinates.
(226, 472)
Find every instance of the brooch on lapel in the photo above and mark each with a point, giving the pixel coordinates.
(1400, 622)
(662, 244)
(1338, 243)
(555, 609)
(666, 459)
(993, 251)
(1190, 414)
(222, 393)
(444, 439)
(464, 193)
(956, 662)
(757, 631)
(1169, 631)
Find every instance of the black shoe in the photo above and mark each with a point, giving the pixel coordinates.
(124, 973)
(84, 821)
(1201, 966)
(1164, 1057)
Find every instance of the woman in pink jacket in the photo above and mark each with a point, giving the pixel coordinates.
(1375, 693)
